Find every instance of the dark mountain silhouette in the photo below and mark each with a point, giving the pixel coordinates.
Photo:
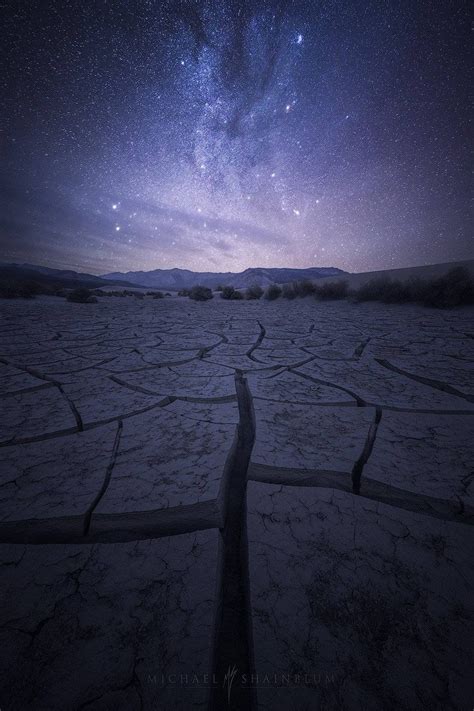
(18, 274)
(184, 278)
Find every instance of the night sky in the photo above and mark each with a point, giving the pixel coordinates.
(224, 135)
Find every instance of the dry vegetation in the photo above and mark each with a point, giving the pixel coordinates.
(455, 288)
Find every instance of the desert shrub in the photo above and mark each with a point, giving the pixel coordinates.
(227, 292)
(272, 292)
(81, 296)
(18, 290)
(386, 290)
(331, 290)
(456, 288)
(155, 294)
(183, 292)
(453, 289)
(288, 291)
(371, 291)
(303, 288)
(200, 293)
(397, 292)
(29, 289)
(219, 287)
(8, 292)
(254, 292)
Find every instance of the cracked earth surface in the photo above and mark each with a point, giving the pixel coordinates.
(281, 488)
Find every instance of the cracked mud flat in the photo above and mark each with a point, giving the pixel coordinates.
(278, 490)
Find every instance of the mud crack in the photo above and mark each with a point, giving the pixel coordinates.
(233, 646)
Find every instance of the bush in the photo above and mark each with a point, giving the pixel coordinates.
(81, 296)
(303, 288)
(273, 292)
(27, 291)
(184, 292)
(397, 292)
(155, 294)
(332, 290)
(288, 291)
(200, 293)
(254, 292)
(8, 292)
(456, 288)
(18, 290)
(229, 292)
(384, 290)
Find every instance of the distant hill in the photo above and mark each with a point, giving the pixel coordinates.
(176, 279)
(429, 271)
(57, 278)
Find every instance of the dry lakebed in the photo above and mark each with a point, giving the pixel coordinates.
(236, 505)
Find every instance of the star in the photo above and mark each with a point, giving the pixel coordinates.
(177, 145)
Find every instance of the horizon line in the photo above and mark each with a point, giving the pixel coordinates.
(168, 269)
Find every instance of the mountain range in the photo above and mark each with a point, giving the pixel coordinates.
(184, 278)
(172, 279)
(55, 278)
(176, 279)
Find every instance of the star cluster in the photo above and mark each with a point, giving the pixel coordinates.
(224, 135)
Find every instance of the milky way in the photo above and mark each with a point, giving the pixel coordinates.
(223, 135)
